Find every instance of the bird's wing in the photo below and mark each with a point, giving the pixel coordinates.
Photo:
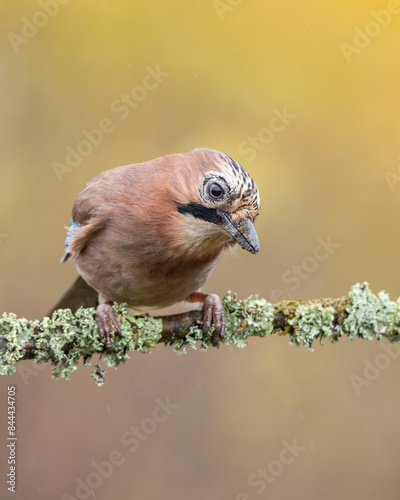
(91, 211)
(79, 294)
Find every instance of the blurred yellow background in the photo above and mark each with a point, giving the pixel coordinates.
(306, 96)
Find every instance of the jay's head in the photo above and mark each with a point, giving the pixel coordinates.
(217, 201)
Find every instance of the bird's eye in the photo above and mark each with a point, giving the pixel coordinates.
(215, 191)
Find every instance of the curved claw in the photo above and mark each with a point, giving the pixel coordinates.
(214, 314)
(106, 321)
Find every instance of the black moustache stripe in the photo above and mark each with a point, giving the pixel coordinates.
(199, 211)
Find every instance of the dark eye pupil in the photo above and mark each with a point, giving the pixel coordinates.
(216, 191)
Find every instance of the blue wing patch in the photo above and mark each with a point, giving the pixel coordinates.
(72, 228)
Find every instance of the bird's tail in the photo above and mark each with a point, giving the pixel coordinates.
(79, 294)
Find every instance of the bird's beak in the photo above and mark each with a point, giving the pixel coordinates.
(242, 231)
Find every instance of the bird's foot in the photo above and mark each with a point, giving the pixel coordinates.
(214, 314)
(106, 322)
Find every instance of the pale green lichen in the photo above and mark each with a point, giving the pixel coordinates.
(310, 322)
(370, 315)
(250, 317)
(99, 375)
(366, 315)
(191, 339)
(79, 333)
(18, 332)
(138, 333)
(65, 338)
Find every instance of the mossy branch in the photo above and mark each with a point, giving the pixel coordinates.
(65, 338)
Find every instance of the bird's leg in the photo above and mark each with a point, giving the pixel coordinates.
(214, 313)
(106, 321)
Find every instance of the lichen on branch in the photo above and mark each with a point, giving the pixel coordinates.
(65, 338)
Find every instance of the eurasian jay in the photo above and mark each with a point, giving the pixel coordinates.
(150, 234)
